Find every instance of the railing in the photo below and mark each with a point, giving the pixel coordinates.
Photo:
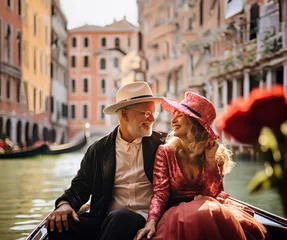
(271, 40)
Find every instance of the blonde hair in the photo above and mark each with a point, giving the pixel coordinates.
(198, 138)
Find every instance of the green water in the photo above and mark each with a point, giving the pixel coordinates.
(29, 187)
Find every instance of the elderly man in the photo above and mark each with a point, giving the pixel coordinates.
(116, 172)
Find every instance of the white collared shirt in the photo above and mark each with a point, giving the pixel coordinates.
(132, 189)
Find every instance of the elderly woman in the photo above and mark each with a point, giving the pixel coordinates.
(188, 181)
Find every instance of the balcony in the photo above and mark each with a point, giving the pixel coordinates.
(10, 70)
(271, 41)
(160, 31)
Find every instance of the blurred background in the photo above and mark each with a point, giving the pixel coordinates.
(62, 61)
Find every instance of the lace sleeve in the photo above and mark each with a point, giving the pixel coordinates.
(161, 186)
(212, 178)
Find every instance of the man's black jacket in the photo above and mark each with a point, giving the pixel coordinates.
(97, 172)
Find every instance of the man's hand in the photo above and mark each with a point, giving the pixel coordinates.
(60, 217)
(148, 230)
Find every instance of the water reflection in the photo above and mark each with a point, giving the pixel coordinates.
(28, 189)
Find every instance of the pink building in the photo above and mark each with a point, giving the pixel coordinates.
(12, 100)
(94, 57)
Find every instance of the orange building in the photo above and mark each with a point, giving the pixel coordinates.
(36, 68)
(12, 100)
(94, 56)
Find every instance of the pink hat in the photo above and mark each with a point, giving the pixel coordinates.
(195, 106)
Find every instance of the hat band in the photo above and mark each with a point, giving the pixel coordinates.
(142, 96)
(192, 110)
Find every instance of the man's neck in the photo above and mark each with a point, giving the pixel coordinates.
(126, 136)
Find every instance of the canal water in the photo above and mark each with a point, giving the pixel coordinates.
(28, 189)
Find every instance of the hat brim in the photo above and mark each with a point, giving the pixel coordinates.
(112, 109)
(171, 105)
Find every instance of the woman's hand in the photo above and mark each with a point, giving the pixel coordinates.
(148, 230)
(210, 151)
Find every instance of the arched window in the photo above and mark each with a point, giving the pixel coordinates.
(116, 62)
(86, 85)
(104, 42)
(103, 86)
(117, 42)
(73, 86)
(103, 63)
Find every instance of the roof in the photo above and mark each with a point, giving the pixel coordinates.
(117, 26)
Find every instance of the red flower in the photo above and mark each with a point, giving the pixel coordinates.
(245, 118)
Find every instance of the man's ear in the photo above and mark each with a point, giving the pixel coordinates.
(124, 114)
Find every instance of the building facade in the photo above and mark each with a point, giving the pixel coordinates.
(12, 100)
(36, 68)
(219, 48)
(94, 56)
(59, 74)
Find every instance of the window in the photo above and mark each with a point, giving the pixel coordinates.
(52, 70)
(9, 3)
(103, 42)
(117, 42)
(103, 63)
(40, 99)
(73, 61)
(19, 8)
(53, 10)
(73, 86)
(116, 62)
(35, 24)
(190, 23)
(46, 34)
(18, 91)
(34, 98)
(103, 86)
(129, 41)
(74, 42)
(8, 43)
(85, 111)
(35, 60)
(86, 61)
(52, 104)
(8, 89)
(201, 13)
(102, 113)
(86, 42)
(41, 62)
(73, 111)
(86, 85)
(19, 48)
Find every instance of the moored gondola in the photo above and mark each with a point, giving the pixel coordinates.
(46, 149)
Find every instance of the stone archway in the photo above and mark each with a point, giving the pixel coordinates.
(45, 134)
(19, 132)
(8, 128)
(53, 135)
(35, 136)
(62, 138)
(27, 137)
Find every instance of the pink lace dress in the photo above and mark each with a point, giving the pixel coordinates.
(212, 216)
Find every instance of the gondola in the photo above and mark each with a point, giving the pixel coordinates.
(276, 225)
(46, 149)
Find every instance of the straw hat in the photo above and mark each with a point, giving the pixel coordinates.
(132, 93)
(196, 106)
